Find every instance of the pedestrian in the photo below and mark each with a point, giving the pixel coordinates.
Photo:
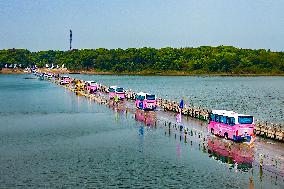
(181, 104)
(116, 99)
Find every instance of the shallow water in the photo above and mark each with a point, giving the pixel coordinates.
(262, 97)
(50, 137)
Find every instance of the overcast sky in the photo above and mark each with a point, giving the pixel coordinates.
(44, 24)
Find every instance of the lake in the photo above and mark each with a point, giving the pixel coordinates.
(51, 138)
(262, 97)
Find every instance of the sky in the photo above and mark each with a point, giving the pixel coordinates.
(44, 24)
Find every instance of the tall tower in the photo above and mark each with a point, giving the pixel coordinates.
(70, 39)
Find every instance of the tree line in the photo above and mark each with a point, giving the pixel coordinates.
(200, 60)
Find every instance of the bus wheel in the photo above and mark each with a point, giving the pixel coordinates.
(226, 136)
(212, 131)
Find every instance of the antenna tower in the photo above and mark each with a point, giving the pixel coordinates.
(70, 39)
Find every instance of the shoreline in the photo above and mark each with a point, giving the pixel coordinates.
(174, 74)
(143, 73)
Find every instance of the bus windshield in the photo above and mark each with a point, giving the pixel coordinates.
(139, 97)
(120, 90)
(245, 119)
(111, 90)
(150, 97)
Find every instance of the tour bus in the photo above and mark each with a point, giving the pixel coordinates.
(231, 125)
(65, 80)
(91, 86)
(116, 91)
(145, 101)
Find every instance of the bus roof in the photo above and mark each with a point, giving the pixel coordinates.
(90, 81)
(143, 94)
(227, 113)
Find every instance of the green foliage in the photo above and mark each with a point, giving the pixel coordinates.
(15, 56)
(204, 59)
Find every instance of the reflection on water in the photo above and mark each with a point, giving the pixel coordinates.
(146, 117)
(141, 131)
(240, 156)
(178, 150)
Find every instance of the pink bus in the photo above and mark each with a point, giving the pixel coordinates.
(145, 101)
(116, 91)
(91, 86)
(65, 80)
(231, 125)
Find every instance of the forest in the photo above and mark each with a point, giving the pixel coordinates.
(199, 60)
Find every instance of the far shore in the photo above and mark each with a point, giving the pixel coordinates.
(143, 73)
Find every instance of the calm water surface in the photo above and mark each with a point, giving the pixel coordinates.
(51, 138)
(262, 97)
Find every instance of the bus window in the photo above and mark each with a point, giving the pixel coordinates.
(217, 118)
(111, 90)
(150, 97)
(220, 118)
(224, 119)
(139, 97)
(119, 90)
(231, 121)
(228, 120)
(245, 119)
(212, 117)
